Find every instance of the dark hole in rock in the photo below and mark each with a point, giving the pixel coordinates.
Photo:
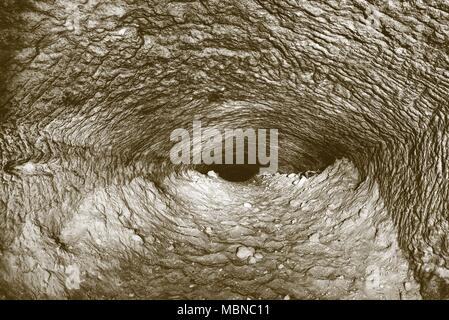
(232, 172)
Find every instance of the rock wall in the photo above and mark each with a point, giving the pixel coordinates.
(92, 89)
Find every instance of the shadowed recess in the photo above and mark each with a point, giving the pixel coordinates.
(232, 172)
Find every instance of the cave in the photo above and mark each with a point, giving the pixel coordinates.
(93, 207)
(233, 172)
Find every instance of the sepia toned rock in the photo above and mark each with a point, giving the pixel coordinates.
(93, 207)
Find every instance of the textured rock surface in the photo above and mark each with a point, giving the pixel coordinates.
(91, 90)
(196, 240)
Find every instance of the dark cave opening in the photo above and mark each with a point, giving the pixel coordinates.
(232, 172)
(84, 140)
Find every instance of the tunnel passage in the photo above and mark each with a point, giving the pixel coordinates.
(232, 172)
(93, 91)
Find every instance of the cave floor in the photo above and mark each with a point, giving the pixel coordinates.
(325, 237)
(278, 236)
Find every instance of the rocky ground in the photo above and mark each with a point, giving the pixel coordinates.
(281, 236)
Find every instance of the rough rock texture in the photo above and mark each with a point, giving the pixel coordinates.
(326, 237)
(90, 91)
